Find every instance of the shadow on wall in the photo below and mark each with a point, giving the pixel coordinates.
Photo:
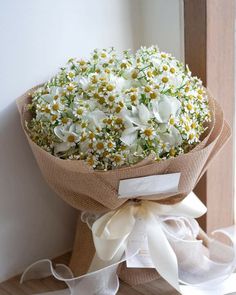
(23, 204)
(158, 22)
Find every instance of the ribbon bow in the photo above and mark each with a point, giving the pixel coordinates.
(174, 251)
(111, 232)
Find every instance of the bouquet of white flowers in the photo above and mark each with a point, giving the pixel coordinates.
(114, 111)
(102, 128)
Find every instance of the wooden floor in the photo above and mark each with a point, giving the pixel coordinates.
(12, 286)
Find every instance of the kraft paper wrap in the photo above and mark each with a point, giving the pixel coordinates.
(97, 191)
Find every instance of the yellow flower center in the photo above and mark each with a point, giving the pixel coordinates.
(193, 125)
(153, 95)
(165, 68)
(64, 120)
(90, 161)
(186, 89)
(70, 88)
(163, 146)
(103, 55)
(100, 146)
(187, 128)
(133, 97)
(105, 154)
(117, 159)
(155, 72)
(110, 87)
(172, 70)
(199, 97)
(149, 74)
(119, 121)
(147, 89)
(79, 112)
(200, 91)
(101, 100)
(163, 55)
(91, 135)
(118, 109)
(54, 117)
(172, 152)
(134, 75)
(110, 145)
(164, 79)
(123, 66)
(71, 138)
(94, 79)
(56, 97)
(148, 132)
(82, 62)
(172, 121)
(189, 107)
(191, 136)
(71, 74)
(55, 107)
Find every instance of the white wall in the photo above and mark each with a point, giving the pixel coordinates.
(36, 38)
(159, 22)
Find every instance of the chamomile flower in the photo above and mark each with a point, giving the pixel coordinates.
(148, 133)
(79, 111)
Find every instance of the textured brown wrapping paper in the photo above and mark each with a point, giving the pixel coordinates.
(96, 191)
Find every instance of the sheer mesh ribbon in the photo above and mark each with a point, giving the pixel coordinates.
(177, 255)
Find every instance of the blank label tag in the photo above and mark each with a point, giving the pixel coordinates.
(149, 185)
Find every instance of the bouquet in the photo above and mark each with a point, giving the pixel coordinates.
(101, 129)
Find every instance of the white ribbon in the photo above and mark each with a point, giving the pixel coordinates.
(173, 246)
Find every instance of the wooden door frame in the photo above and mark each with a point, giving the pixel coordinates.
(209, 33)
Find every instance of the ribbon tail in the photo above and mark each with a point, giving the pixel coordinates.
(101, 282)
(110, 233)
(226, 288)
(161, 252)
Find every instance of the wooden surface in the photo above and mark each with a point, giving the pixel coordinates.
(12, 286)
(209, 52)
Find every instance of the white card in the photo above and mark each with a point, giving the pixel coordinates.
(138, 240)
(149, 185)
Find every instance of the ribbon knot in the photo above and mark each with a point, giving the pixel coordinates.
(112, 230)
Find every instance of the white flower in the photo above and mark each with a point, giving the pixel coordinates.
(165, 107)
(53, 95)
(139, 117)
(120, 83)
(84, 83)
(172, 137)
(68, 137)
(96, 119)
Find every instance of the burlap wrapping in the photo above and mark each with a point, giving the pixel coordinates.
(96, 191)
